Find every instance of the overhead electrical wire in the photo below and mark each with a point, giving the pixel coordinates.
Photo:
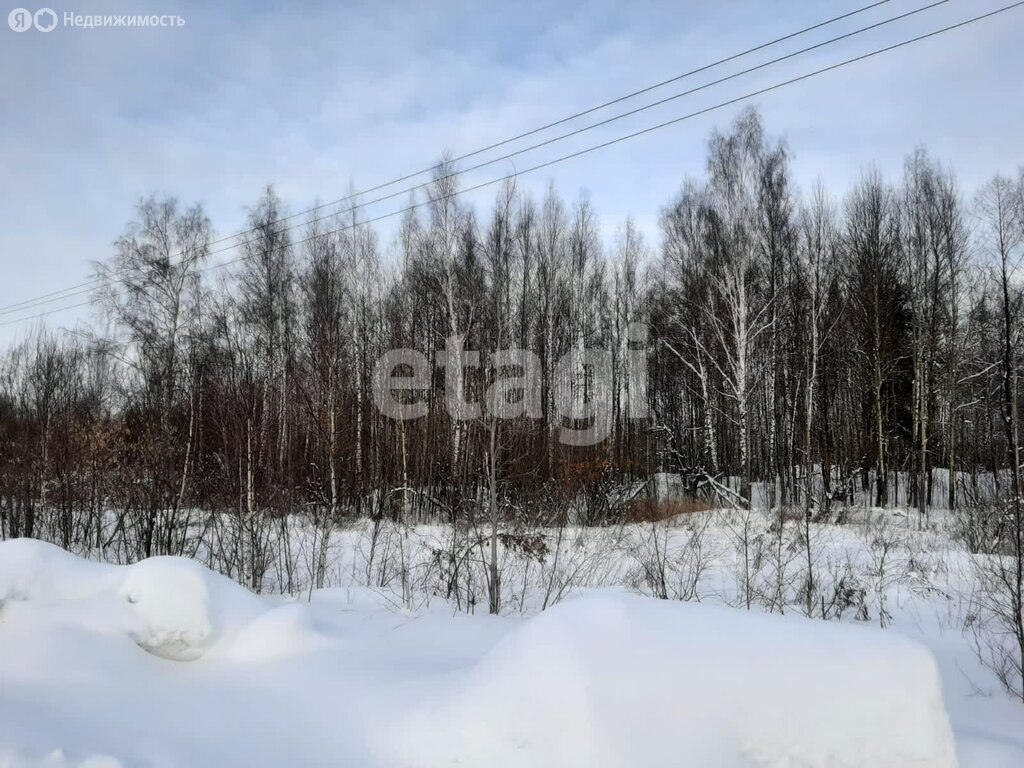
(617, 140)
(66, 293)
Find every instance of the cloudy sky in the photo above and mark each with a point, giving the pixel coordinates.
(322, 97)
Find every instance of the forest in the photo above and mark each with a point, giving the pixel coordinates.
(803, 348)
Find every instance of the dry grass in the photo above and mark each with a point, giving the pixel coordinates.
(654, 510)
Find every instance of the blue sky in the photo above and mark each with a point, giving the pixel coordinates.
(316, 97)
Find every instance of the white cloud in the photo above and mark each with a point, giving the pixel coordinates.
(313, 98)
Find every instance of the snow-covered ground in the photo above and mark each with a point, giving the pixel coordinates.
(165, 663)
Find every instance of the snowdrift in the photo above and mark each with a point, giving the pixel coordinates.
(608, 680)
(627, 681)
(171, 607)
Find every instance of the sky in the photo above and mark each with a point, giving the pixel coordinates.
(320, 98)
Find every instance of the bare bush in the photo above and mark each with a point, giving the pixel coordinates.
(995, 621)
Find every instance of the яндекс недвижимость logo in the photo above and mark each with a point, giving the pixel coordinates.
(22, 19)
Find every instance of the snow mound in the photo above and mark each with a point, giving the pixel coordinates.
(621, 680)
(279, 633)
(604, 681)
(180, 608)
(171, 607)
(32, 570)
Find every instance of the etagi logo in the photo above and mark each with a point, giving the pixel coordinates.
(22, 20)
(583, 386)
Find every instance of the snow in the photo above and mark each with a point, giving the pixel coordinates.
(171, 607)
(624, 680)
(180, 608)
(286, 630)
(163, 663)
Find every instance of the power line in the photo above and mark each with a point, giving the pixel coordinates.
(620, 139)
(554, 139)
(601, 123)
(66, 293)
(44, 314)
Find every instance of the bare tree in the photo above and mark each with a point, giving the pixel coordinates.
(151, 292)
(999, 208)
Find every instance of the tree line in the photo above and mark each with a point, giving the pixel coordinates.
(803, 347)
